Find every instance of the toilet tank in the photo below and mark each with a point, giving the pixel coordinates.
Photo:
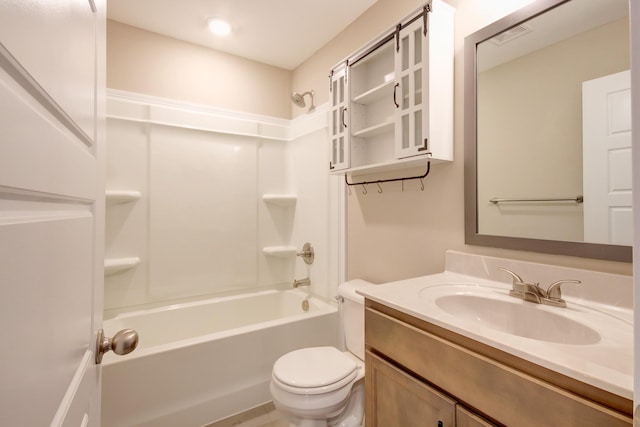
(353, 315)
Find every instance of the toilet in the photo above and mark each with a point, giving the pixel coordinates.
(323, 386)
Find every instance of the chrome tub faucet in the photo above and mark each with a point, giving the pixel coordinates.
(302, 282)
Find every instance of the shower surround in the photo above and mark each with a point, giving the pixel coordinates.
(200, 224)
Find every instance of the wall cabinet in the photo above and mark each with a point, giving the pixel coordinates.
(392, 101)
(409, 361)
(339, 135)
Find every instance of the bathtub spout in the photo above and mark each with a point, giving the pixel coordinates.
(302, 282)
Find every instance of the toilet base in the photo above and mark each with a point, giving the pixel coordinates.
(352, 415)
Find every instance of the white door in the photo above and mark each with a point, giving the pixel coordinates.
(51, 210)
(607, 176)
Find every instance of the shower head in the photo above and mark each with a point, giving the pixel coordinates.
(298, 99)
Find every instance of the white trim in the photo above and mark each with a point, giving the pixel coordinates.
(142, 108)
(310, 122)
(634, 25)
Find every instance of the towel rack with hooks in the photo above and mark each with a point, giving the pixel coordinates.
(381, 181)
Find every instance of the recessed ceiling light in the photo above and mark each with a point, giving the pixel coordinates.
(219, 27)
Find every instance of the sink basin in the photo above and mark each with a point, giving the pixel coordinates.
(516, 317)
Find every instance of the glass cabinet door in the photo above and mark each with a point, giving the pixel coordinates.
(412, 77)
(339, 150)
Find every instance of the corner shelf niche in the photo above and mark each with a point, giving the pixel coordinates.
(286, 200)
(115, 197)
(116, 265)
(280, 251)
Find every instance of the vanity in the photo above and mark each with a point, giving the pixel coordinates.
(455, 349)
(538, 345)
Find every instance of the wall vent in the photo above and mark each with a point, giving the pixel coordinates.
(511, 34)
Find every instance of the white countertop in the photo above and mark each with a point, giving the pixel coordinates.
(606, 364)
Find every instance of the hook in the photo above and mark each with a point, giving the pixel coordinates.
(422, 184)
(379, 187)
(364, 188)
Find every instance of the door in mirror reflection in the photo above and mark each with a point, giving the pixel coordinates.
(606, 106)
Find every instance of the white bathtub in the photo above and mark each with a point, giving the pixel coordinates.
(200, 362)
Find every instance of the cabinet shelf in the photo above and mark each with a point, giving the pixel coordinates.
(280, 199)
(385, 90)
(280, 251)
(115, 265)
(121, 196)
(375, 130)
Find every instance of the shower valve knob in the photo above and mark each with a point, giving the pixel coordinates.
(307, 253)
(123, 342)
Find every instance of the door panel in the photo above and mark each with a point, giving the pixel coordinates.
(51, 211)
(55, 41)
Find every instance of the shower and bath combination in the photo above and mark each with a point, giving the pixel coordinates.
(298, 99)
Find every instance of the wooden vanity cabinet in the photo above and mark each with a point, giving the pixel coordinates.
(420, 374)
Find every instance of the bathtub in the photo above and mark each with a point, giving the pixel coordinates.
(204, 361)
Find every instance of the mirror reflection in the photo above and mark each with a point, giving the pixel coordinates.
(554, 126)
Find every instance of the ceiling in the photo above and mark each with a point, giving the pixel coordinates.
(282, 33)
(551, 27)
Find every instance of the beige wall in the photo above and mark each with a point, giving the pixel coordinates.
(392, 235)
(396, 235)
(145, 62)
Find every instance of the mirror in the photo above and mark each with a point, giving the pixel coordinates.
(548, 130)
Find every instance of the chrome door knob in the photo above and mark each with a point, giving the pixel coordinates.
(123, 342)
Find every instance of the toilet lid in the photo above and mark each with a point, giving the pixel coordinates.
(313, 367)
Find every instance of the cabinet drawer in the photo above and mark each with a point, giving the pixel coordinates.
(394, 398)
(509, 396)
(465, 418)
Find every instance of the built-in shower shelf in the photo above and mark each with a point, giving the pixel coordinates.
(280, 251)
(121, 196)
(116, 265)
(280, 199)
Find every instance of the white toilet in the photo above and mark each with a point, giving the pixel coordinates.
(323, 386)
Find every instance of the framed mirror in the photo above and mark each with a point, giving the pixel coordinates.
(548, 130)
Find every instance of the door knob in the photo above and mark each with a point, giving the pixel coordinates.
(123, 342)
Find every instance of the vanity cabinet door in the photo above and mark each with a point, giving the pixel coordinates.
(466, 418)
(394, 398)
(339, 136)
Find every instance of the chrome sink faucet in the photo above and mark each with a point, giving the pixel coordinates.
(532, 292)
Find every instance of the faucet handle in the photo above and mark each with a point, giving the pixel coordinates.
(553, 291)
(516, 278)
(307, 253)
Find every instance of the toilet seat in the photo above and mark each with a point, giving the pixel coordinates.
(314, 370)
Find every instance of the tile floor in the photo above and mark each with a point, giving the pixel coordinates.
(270, 419)
(263, 416)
